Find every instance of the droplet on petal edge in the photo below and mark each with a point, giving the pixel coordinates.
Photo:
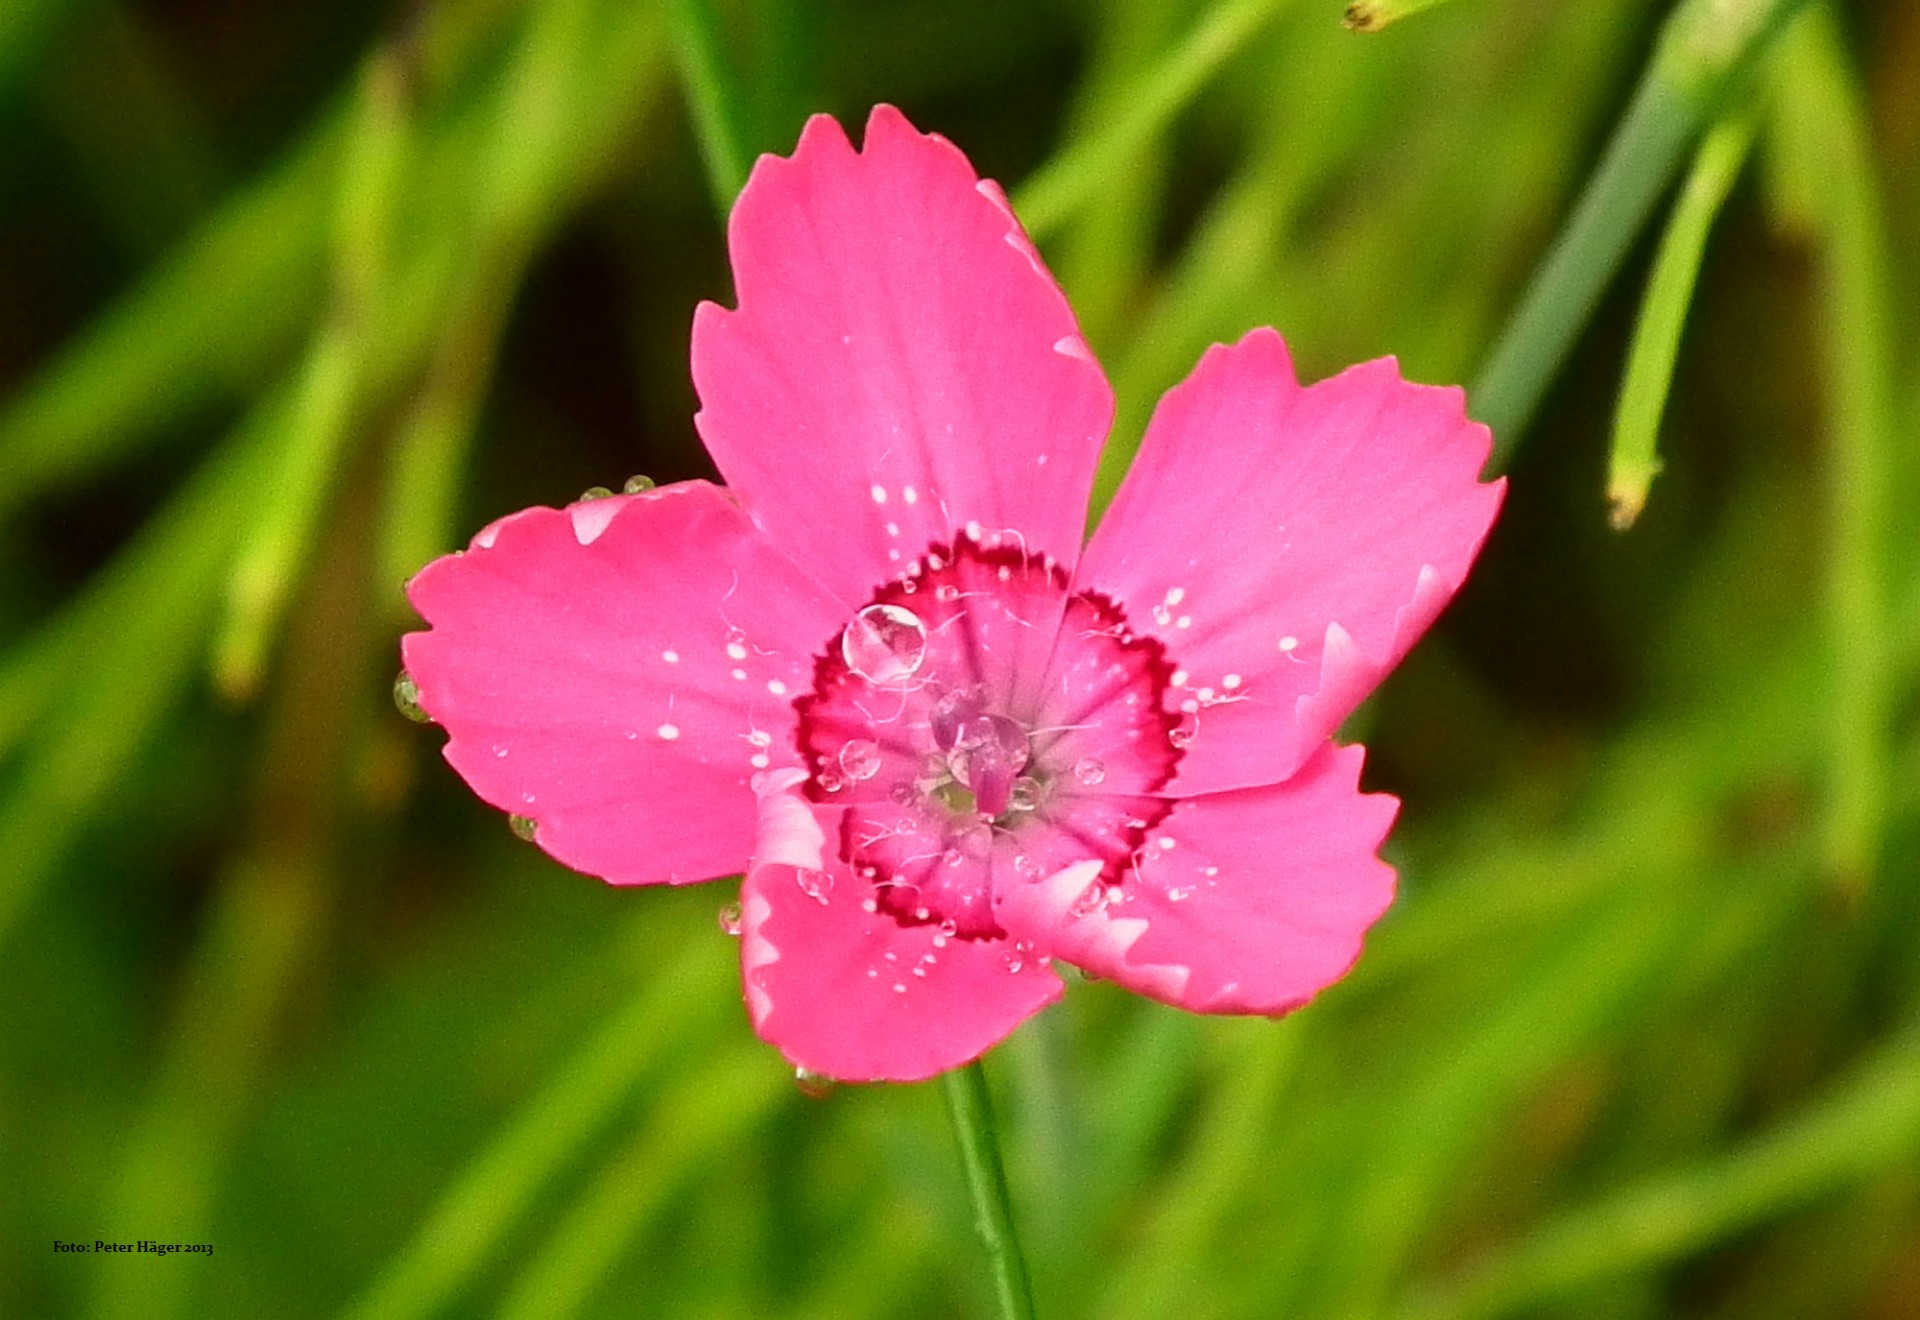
(523, 827)
(594, 493)
(813, 1085)
(731, 919)
(816, 885)
(406, 697)
(636, 484)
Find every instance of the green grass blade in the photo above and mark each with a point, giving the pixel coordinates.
(1656, 338)
(1075, 177)
(223, 312)
(578, 79)
(290, 508)
(700, 1119)
(1857, 351)
(1703, 49)
(1868, 1125)
(714, 98)
(96, 682)
(489, 1199)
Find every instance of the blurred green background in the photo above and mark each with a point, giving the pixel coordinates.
(294, 297)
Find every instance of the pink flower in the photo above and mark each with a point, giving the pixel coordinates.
(948, 744)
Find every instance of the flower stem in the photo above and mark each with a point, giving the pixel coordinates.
(972, 1111)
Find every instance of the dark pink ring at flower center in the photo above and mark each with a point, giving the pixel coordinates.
(985, 726)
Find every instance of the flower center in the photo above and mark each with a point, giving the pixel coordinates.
(982, 726)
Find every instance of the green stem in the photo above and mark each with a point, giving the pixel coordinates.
(972, 1111)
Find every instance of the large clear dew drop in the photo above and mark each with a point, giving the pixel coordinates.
(885, 644)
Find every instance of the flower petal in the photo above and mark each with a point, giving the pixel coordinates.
(854, 994)
(617, 671)
(901, 364)
(1244, 902)
(1288, 545)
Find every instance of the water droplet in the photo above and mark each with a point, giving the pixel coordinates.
(1024, 795)
(1180, 893)
(499, 749)
(860, 758)
(813, 1085)
(523, 827)
(884, 644)
(635, 485)
(816, 885)
(1183, 731)
(830, 779)
(1089, 770)
(594, 493)
(730, 918)
(406, 696)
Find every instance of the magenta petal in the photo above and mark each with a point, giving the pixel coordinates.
(901, 364)
(1244, 902)
(617, 671)
(854, 994)
(1288, 545)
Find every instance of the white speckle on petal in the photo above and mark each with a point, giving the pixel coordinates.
(1184, 621)
(879, 494)
(910, 495)
(1179, 678)
(759, 760)
(1176, 595)
(670, 656)
(740, 675)
(776, 687)
(668, 732)
(1289, 643)
(1230, 682)
(735, 651)
(893, 529)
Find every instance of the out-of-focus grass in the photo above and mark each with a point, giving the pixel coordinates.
(1624, 1047)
